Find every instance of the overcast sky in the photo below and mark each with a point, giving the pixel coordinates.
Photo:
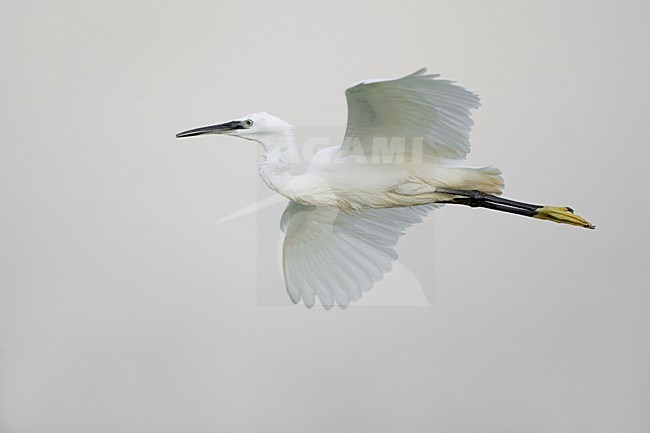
(125, 308)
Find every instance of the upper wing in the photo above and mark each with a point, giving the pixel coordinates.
(415, 107)
(334, 255)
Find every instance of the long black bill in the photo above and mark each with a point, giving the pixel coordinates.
(213, 129)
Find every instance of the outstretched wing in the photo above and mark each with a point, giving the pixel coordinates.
(418, 107)
(336, 256)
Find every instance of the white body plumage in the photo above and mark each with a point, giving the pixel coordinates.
(406, 140)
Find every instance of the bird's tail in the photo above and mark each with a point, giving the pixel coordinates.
(485, 179)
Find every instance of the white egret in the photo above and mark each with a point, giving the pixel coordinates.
(403, 153)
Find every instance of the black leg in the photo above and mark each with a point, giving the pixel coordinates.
(483, 197)
(472, 202)
(473, 198)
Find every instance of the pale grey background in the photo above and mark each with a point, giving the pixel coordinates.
(124, 308)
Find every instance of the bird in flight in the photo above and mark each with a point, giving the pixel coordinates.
(403, 155)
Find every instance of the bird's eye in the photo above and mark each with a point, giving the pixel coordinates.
(248, 123)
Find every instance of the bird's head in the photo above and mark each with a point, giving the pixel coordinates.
(260, 127)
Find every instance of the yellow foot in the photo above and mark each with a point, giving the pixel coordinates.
(562, 215)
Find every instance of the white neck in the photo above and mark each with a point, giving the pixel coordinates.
(280, 154)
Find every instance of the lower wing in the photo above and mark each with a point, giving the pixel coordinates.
(335, 256)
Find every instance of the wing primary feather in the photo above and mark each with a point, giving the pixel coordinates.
(315, 278)
(291, 279)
